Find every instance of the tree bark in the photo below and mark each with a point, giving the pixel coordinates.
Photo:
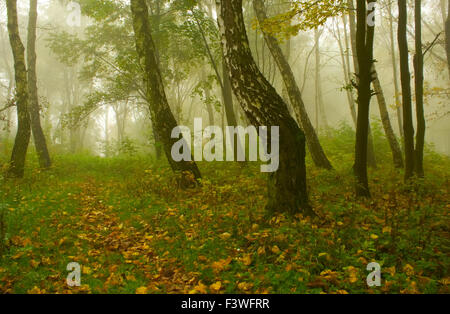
(405, 75)
(447, 31)
(16, 169)
(386, 121)
(364, 48)
(320, 110)
(317, 153)
(162, 117)
(418, 82)
(371, 160)
(395, 72)
(346, 68)
(35, 118)
(263, 106)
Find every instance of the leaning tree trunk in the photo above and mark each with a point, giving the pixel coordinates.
(38, 135)
(19, 152)
(418, 82)
(386, 121)
(364, 48)
(162, 117)
(405, 75)
(262, 105)
(317, 153)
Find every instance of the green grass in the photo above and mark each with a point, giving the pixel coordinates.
(129, 226)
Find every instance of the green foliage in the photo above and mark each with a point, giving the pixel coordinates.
(132, 230)
(303, 15)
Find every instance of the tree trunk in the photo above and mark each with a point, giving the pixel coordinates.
(35, 118)
(418, 82)
(162, 117)
(364, 48)
(394, 67)
(386, 121)
(346, 67)
(371, 160)
(16, 169)
(405, 75)
(317, 153)
(262, 105)
(320, 110)
(447, 30)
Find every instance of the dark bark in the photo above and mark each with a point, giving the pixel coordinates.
(317, 153)
(418, 82)
(405, 75)
(364, 48)
(262, 105)
(162, 117)
(395, 72)
(386, 121)
(371, 160)
(35, 118)
(22, 140)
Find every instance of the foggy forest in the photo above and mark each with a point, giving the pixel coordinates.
(224, 146)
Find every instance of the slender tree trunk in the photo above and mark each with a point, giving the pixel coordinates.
(321, 114)
(371, 160)
(317, 153)
(395, 72)
(162, 117)
(16, 169)
(364, 48)
(345, 58)
(386, 121)
(418, 81)
(107, 146)
(447, 30)
(264, 107)
(405, 75)
(35, 118)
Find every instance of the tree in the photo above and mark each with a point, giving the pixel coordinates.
(395, 71)
(386, 121)
(418, 82)
(405, 76)
(352, 24)
(38, 134)
(20, 148)
(320, 110)
(161, 114)
(447, 31)
(364, 48)
(317, 153)
(262, 105)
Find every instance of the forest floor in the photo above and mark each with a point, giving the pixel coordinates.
(133, 231)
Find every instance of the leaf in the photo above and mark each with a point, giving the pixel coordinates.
(221, 264)
(141, 290)
(247, 259)
(408, 269)
(199, 288)
(216, 286)
(225, 236)
(275, 249)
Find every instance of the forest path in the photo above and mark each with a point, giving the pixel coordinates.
(114, 254)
